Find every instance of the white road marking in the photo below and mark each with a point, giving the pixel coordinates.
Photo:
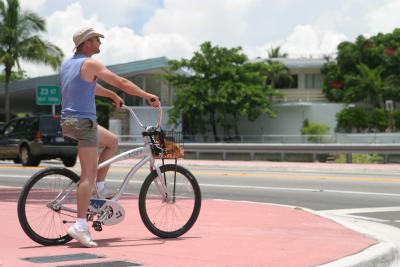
(350, 213)
(363, 210)
(247, 187)
(15, 175)
(298, 189)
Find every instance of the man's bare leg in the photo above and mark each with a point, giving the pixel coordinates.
(88, 160)
(80, 230)
(109, 142)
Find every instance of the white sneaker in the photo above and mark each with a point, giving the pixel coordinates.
(106, 193)
(82, 236)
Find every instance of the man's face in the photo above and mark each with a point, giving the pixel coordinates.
(95, 43)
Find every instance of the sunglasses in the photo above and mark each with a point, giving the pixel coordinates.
(95, 39)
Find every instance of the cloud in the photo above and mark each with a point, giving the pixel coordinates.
(241, 23)
(176, 28)
(33, 5)
(384, 18)
(225, 22)
(309, 40)
(121, 44)
(303, 41)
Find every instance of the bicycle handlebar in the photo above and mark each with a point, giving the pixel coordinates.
(137, 119)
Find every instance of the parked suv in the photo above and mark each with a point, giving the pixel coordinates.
(32, 139)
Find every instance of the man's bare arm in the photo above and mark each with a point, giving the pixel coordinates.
(97, 69)
(101, 91)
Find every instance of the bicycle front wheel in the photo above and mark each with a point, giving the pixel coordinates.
(47, 206)
(174, 216)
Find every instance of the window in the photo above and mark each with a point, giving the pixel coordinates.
(152, 84)
(10, 128)
(313, 81)
(48, 125)
(287, 84)
(20, 126)
(131, 100)
(32, 125)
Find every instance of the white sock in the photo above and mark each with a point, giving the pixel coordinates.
(100, 186)
(81, 224)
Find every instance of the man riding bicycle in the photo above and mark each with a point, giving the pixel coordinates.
(79, 76)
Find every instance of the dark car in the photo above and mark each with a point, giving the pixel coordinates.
(32, 139)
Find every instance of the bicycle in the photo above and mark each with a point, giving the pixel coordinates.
(169, 198)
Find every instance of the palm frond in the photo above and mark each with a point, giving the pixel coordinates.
(35, 50)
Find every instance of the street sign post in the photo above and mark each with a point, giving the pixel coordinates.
(48, 95)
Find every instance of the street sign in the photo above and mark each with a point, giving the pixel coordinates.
(48, 95)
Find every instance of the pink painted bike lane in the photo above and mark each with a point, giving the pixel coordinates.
(227, 233)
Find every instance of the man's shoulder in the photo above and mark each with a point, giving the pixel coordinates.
(93, 63)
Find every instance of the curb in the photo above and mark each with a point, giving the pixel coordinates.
(386, 253)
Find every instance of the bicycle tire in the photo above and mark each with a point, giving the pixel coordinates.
(42, 224)
(150, 206)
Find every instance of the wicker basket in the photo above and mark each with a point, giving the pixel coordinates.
(171, 143)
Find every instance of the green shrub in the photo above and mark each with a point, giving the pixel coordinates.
(314, 130)
(351, 118)
(379, 119)
(396, 118)
(361, 158)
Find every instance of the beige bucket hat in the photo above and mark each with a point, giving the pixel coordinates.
(84, 34)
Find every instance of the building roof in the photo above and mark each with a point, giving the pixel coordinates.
(297, 63)
(139, 66)
(123, 69)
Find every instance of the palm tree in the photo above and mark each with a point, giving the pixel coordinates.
(275, 52)
(367, 86)
(19, 39)
(277, 72)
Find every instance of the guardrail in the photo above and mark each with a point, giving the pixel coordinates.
(252, 149)
(337, 138)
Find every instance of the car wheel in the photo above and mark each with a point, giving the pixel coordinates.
(69, 161)
(26, 157)
(17, 160)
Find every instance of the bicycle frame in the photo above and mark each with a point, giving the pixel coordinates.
(141, 152)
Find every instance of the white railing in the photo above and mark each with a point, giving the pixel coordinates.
(338, 138)
(302, 95)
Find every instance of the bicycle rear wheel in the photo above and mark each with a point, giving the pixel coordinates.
(173, 217)
(47, 206)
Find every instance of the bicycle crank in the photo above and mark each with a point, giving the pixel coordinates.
(108, 212)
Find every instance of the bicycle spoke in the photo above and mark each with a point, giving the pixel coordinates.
(177, 214)
(46, 207)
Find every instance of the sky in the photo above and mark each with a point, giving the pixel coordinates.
(142, 29)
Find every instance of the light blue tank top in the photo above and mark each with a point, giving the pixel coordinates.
(78, 95)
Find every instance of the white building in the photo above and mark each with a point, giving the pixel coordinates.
(305, 100)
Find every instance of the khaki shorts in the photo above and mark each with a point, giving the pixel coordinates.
(81, 129)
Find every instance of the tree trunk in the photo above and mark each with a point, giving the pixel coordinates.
(7, 95)
(213, 125)
(236, 125)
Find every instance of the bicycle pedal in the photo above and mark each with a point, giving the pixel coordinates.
(97, 226)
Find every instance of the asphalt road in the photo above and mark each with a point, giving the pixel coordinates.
(373, 195)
